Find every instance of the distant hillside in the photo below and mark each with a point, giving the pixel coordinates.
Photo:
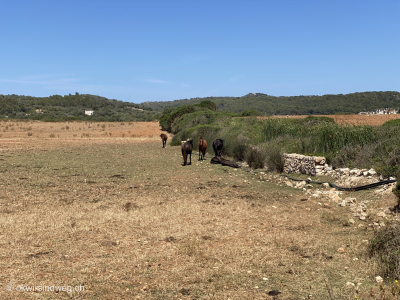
(72, 107)
(295, 105)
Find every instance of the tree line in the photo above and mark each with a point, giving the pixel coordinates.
(329, 104)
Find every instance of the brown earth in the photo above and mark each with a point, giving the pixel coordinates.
(374, 120)
(35, 134)
(104, 208)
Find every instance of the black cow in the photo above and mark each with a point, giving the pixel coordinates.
(217, 146)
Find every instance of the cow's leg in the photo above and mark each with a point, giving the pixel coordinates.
(184, 157)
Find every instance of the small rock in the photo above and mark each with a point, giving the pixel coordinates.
(350, 200)
(381, 214)
(378, 279)
(341, 250)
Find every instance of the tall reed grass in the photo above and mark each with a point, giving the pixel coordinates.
(343, 145)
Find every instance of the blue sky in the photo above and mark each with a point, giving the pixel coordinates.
(149, 50)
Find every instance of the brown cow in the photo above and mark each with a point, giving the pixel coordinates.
(202, 148)
(164, 139)
(186, 149)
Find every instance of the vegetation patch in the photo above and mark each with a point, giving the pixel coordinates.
(358, 146)
(385, 245)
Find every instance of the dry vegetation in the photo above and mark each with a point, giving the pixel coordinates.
(104, 206)
(374, 120)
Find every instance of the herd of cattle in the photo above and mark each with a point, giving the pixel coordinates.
(187, 148)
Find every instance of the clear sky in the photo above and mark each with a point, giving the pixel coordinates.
(163, 50)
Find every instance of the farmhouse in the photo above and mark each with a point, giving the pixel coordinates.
(89, 112)
(386, 111)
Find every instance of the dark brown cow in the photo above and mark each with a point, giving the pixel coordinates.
(202, 148)
(186, 149)
(217, 146)
(164, 139)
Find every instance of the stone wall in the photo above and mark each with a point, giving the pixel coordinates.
(316, 165)
(297, 163)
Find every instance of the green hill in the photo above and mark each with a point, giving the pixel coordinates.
(294, 105)
(72, 107)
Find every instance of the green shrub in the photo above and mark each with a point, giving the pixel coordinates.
(346, 156)
(387, 158)
(274, 159)
(208, 104)
(395, 122)
(240, 146)
(255, 157)
(396, 190)
(251, 112)
(385, 245)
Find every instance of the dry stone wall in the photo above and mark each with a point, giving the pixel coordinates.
(310, 165)
(316, 165)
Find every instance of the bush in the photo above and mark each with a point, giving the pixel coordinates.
(255, 157)
(387, 158)
(274, 159)
(251, 112)
(396, 192)
(208, 104)
(386, 247)
(318, 120)
(395, 122)
(346, 156)
(239, 146)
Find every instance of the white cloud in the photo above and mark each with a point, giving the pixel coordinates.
(156, 81)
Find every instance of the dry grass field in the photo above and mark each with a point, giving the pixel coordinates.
(104, 208)
(374, 120)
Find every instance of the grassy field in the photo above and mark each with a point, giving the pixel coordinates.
(109, 211)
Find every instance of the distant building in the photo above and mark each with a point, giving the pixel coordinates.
(386, 111)
(89, 112)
